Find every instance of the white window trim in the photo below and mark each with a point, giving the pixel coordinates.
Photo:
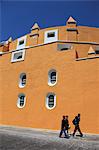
(19, 101)
(21, 39)
(50, 39)
(46, 102)
(16, 60)
(49, 83)
(20, 80)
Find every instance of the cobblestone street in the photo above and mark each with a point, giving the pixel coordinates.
(12, 138)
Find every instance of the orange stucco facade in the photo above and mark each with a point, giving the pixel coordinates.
(77, 84)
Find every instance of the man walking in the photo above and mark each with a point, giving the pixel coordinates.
(76, 123)
(63, 127)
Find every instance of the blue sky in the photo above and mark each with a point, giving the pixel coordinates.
(18, 16)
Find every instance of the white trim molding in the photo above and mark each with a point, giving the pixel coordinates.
(51, 36)
(21, 42)
(52, 77)
(53, 103)
(18, 56)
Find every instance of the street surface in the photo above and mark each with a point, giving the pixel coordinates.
(14, 138)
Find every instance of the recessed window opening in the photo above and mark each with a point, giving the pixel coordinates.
(63, 49)
(21, 100)
(18, 55)
(51, 34)
(97, 52)
(22, 81)
(21, 42)
(50, 100)
(71, 22)
(52, 77)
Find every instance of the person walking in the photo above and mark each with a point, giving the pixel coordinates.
(67, 124)
(76, 123)
(63, 127)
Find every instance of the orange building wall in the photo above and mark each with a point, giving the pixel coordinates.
(84, 34)
(76, 89)
(88, 34)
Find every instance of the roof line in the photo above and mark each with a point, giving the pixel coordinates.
(86, 58)
(59, 41)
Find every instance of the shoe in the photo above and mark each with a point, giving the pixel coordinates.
(67, 137)
(81, 135)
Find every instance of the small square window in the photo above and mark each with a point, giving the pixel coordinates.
(63, 47)
(21, 42)
(51, 34)
(18, 56)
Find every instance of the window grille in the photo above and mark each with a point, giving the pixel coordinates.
(50, 101)
(22, 80)
(21, 100)
(52, 77)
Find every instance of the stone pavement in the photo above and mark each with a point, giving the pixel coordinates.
(15, 138)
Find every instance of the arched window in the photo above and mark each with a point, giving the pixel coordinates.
(52, 77)
(21, 100)
(50, 100)
(22, 81)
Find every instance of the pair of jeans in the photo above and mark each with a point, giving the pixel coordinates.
(77, 128)
(62, 131)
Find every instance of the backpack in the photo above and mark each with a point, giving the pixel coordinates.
(74, 122)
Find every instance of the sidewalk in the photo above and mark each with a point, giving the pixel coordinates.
(18, 138)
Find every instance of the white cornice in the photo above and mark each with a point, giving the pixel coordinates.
(59, 41)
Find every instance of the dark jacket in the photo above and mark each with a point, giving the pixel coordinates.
(76, 120)
(67, 123)
(63, 125)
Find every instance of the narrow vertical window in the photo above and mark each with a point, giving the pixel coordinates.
(50, 100)
(52, 77)
(21, 42)
(21, 100)
(22, 80)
